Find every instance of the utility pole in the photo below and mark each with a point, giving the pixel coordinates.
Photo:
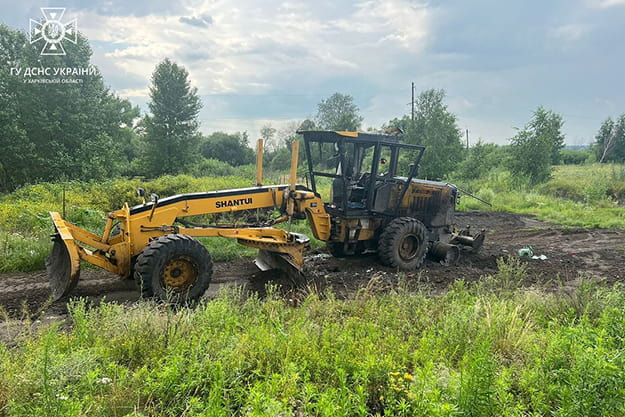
(412, 102)
(467, 133)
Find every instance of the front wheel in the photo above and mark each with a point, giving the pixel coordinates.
(174, 268)
(403, 244)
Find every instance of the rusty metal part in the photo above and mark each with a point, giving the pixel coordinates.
(445, 253)
(475, 242)
(409, 247)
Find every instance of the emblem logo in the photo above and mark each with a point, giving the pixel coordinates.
(53, 31)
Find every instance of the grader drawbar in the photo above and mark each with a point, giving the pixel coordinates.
(376, 204)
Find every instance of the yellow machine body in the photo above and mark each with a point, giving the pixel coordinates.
(129, 230)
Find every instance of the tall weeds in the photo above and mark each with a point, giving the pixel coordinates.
(476, 350)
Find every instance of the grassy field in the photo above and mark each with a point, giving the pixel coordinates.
(576, 195)
(485, 349)
(587, 196)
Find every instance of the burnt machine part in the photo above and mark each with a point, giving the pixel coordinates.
(446, 253)
(465, 239)
(374, 182)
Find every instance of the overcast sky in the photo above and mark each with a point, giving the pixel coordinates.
(256, 62)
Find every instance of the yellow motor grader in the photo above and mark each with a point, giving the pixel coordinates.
(372, 207)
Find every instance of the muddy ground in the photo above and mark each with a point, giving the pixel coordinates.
(570, 252)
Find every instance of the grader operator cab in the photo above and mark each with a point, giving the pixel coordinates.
(376, 204)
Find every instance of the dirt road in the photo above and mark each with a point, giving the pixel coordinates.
(570, 252)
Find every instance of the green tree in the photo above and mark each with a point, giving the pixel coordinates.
(549, 124)
(57, 130)
(268, 133)
(530, 157)
(230, 148)
(338, 112)
(436, 128)
(534, 148)
(280, 159)
(171, 139)
(307, 125)
(482, 159)
(610, 140)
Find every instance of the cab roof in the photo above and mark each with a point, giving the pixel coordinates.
(346, 136)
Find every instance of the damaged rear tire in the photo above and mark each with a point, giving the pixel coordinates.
(403, 244)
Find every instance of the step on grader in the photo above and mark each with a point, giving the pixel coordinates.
(376, 204)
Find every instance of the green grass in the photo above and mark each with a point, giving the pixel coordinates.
(479, 350)
(576, 195)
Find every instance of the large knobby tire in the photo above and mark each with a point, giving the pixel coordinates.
(174, 268)
(403, 244)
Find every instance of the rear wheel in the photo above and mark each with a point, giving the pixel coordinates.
(403, 244)
(175, 268)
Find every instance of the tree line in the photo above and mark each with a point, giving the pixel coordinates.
(85, 131)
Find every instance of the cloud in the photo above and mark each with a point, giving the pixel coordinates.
(570, 32)
(255, 62)
(604, 4)
(202, 21)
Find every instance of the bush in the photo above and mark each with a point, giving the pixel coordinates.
(575, 156)
(212, 167)
(483, 158)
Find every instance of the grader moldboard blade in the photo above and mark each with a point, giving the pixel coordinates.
(285, 258)
(63, 268)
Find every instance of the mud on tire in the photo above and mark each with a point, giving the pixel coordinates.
(173, 268)
(403, 244)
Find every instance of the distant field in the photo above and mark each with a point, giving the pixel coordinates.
(576, 195)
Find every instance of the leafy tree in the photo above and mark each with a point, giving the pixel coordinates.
(482, 158)
(171, 138)
(530, 157)
(338, 112)
(63, 130)
(610, 140)
(230, 148)
(280, 159)
(435, 127)
(534, 148)
(307, 125)
(549, 124)
(268, 133)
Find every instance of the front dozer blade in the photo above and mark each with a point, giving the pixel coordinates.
(63, 269)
